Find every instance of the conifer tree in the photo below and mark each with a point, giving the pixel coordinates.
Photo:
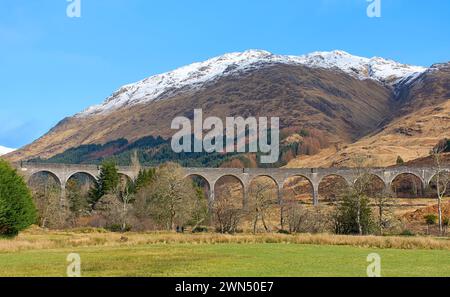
(107, 182)
(17, 210)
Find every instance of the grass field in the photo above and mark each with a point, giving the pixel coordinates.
(215, 255)
(226, 260)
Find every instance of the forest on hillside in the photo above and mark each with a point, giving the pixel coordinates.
(153, 151)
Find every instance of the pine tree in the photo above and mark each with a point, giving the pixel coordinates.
(144, 178)
(17, 210)
(107, 182)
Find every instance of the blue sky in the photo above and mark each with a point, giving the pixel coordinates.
(52, 66)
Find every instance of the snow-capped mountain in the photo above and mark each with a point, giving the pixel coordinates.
(5, 150)
(339, 95)
(195, 76)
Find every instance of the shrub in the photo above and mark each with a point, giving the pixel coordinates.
(89, 230)
(353, 214)
(227, 211)
(200, 229)
(118, 228)
(430, 219)
(445, 221)
(282, 231)
(17, 210)
(407, 232)
(303, 220)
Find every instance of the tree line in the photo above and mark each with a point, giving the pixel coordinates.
(154, 151)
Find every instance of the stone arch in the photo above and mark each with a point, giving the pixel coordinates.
(206, 186)
(432, 188)
(46, 188)
(77, 191)
(71, 175)
(302, 187)
(375, 176)
(409, 173)
(297, 175)
(49, 172)
(375, 184)
(407, 185)
(223, 189)
(268, 176)
(434, 174)
(198, 175)
(232, 176)
(272, 180)
(330, 187)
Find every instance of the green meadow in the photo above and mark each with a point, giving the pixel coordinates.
(225, 259)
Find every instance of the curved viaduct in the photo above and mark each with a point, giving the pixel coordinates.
(63, 172)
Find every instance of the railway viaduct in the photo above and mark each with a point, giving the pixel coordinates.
(63, 172)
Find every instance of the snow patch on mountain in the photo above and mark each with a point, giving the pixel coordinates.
(195, 76)
(5, 150)
(377, 68)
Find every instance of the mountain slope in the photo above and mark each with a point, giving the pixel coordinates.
(410, 137)
(343, 107)
(342, 96)
(430, 88)
(195, 76)
(420, 121)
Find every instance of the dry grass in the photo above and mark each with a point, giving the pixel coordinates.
(37, 239)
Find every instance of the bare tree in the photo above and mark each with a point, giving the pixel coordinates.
(367, 185)
(170, 200)
(288, 210)
(135, 163)
(353, 213)
(296, 217)
(109, 207)
(261, 199)
(361, 187)
(125, 197)
(227, 211)
(299, 217)
(49, 208)
(442, 179)
(384, 203)
(47, 198)
(302, 219)
(290, 202)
